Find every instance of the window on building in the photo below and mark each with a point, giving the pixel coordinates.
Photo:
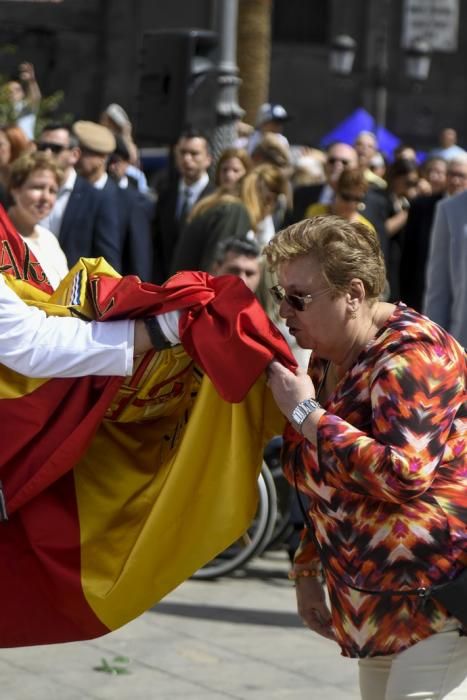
(304, 21)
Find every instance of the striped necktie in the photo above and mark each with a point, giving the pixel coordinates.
(186, 205)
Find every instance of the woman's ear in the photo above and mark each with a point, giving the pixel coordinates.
(356, 291)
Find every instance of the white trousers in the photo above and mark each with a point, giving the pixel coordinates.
(433, 669)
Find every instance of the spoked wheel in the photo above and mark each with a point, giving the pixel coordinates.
(283, 526)
(255, 539)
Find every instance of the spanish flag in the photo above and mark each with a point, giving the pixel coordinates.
(115, 490)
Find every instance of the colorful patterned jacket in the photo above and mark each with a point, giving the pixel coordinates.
(388, 484)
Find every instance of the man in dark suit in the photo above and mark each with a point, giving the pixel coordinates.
(177, 197)
(338, 157)
(418, 229)
(134, 237)
(136, 212)
(83, 221)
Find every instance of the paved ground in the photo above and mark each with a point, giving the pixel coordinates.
(237, 637)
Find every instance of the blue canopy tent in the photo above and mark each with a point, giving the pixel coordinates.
(360, 120)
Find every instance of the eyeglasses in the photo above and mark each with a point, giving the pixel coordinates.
(350, 197)
(54, 147)
(295, 300)
(332, 160)
(459, 175)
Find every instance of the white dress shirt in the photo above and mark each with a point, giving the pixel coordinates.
(38, 345)
(101, 182)
(192, 192)
(327, 195)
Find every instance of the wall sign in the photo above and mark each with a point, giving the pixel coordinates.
(434, 21)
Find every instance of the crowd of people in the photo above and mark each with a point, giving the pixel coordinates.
(105, 206)
(354, 245)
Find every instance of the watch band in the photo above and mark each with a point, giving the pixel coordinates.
(303, 410)
(158, 339)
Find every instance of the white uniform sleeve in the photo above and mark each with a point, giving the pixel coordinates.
(38, 345)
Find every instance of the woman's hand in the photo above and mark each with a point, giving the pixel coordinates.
(311, 605)
(288, 388)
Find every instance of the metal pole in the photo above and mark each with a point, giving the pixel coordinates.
(378, 45)
(381, 101)
(228, 109)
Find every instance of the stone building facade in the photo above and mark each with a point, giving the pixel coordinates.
(91, 50)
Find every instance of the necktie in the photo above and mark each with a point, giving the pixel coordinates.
(186, 206)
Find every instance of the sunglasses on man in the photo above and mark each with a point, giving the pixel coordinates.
(332, 160)
(297, 302)
(55, 148)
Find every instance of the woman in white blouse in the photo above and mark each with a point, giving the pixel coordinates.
(33, 187)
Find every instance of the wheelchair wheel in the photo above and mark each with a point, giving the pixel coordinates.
(254, 540)
(283, 527)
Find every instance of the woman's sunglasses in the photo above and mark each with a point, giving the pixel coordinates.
(295, 300)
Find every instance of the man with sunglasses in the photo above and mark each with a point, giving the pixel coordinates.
(82, 219)
(339, 157)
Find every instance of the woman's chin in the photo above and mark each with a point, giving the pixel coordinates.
(302, 341)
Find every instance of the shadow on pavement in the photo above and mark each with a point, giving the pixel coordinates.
(240, 616)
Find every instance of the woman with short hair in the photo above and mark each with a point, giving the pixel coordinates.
(33, 187)
(377, 442)
(349, 198)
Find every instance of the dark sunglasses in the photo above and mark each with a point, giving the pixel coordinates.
(54, 147)
(295, 300)
(333, 160)
(350, 197)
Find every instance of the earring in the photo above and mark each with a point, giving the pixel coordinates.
(353, 313)
(361, 206)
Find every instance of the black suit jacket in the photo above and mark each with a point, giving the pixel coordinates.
(166, 229)
(197, 245)
(415, 249)
(303, 197)
(89, 226)
(135, 222)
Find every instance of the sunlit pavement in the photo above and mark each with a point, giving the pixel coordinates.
(236, 637)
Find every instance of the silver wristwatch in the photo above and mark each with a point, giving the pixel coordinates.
(303, 410)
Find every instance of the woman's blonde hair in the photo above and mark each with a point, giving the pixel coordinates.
(28, 163)
(344, 250)
(257, 185)
(220, 196)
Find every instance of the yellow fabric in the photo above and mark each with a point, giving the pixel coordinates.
(319, 209)
(169, 479)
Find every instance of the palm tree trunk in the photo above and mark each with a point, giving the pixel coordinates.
(254, 54)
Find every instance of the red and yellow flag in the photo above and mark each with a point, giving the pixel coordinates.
(118, 489)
